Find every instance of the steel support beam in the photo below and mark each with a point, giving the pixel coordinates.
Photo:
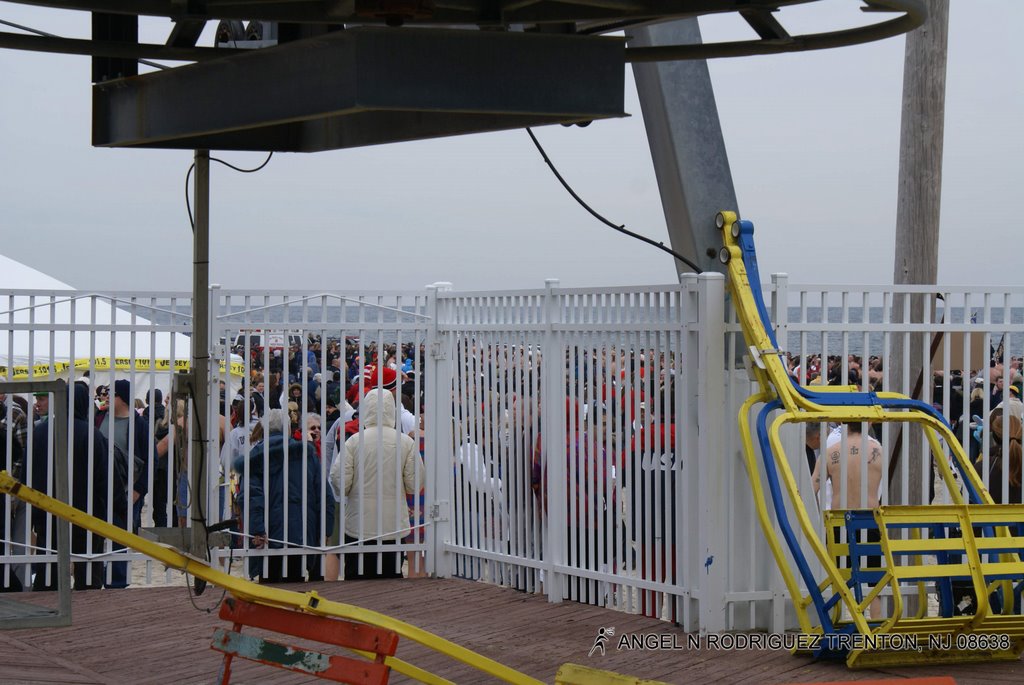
(365, 86)
(186, 32)
(687, 146)
(116, 28)
(108, 48)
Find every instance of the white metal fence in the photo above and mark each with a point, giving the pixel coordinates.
(968, 343)
(140, 338)
(299, 352)
(557, 483)
(576, 442)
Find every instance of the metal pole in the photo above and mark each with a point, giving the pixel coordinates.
(61, 409)
(200, 367)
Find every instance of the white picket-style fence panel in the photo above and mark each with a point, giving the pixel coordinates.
(579, 443)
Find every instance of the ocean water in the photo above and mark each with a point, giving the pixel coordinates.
(874, 343)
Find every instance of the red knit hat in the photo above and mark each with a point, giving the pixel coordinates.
(385, 378)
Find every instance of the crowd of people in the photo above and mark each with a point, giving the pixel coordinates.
(368, 399)
(274, 463)
(322, 427)
(108, 460)
(983, 408)
(623, 466)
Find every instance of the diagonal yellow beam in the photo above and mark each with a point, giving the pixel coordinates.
(309, 602)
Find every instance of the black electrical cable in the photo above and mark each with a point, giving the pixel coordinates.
(199, 422)
(188, 176)
(207, 529)
(241, 170)
(593, 212)
(224, 591)
(201, 458)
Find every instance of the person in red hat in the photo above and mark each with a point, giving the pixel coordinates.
(387, 378)
(383, 377)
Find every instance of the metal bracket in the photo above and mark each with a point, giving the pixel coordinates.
(437, 352)
(756, 354)
(748, 365)
(439, 511)
(182, 385)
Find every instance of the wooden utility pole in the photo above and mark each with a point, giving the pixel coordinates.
(917, 220)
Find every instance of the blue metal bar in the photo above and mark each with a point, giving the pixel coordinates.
(780, 512)
(846, 399)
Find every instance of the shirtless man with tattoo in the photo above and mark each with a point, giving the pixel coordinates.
(857, 446)
(862, 451)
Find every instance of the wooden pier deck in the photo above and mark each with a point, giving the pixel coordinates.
(154, 635)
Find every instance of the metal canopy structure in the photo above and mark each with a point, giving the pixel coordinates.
(343, 74)
(303, 18)
(596, 13)
(365, 86)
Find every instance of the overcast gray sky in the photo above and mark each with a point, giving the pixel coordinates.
(812, 140)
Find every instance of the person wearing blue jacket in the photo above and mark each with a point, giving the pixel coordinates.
(285, 495)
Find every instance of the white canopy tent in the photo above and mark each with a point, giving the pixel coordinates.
(50, 330)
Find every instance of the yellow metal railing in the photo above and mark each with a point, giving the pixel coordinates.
(907, 561)
(309, 602)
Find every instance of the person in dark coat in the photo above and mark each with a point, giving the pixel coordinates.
(133, 454)
(161, 471)
(13, 577)
(89, 470)
(130, 465)
(269, 494)
(1009, 462)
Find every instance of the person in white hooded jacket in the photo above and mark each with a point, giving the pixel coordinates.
(365, 474)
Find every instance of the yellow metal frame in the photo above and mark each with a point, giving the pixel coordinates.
(309, 602)
(773, 378)
(835, 521)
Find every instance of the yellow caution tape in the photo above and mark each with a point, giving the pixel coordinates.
(24, 372)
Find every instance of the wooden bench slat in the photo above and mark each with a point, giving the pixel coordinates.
(340, 669)
(308, 626)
